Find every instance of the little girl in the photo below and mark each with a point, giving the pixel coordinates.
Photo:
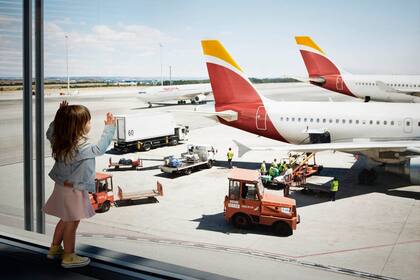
(74, 176)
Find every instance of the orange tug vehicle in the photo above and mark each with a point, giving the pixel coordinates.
(247, 204)
(103, 198)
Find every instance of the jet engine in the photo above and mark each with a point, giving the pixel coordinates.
(411, 168)
(200, 98)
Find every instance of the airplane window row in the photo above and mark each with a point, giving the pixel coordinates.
(343, 121)
(388, 84)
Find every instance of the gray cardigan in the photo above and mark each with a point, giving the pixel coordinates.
(80, 171)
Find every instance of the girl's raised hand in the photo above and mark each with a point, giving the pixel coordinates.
(110, 119)
(64, 103)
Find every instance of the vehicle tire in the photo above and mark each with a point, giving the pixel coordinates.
(117, 167)
(147, 146)
(106, 206)
(241, 221)
(174, 142)
(187, 171)
(282, 229)
(210, 164)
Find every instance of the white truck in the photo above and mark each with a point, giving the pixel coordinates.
(139, 132)
(196, 157)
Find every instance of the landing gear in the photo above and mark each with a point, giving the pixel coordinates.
(367, 177)
(182, 102)
(150, 105)
(367, 98)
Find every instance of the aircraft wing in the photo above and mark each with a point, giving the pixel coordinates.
(383, 86)
(354, 146)
(227, 115)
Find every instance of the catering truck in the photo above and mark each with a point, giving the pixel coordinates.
(139, 132)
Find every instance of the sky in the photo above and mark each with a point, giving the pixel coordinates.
(134, 37)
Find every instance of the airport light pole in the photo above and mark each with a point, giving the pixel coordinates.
(170, 75)
(161, 65)
(67, 65)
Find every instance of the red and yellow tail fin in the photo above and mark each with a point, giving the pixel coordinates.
(316, 61)
(227, 79)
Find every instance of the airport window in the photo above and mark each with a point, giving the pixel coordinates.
(370, 122)
(343, 121)
(418, 124)
(407, 123)
(293, 119)
(392, 122)
(378, 122)
(317, 120)
(350, 121)
(385, 122)
(311, 120)
(330, 120)
(337, 120)
(357, 121)
(305, 119)
(298, 119)
(281, 118)
(287, 119)
(324, 120)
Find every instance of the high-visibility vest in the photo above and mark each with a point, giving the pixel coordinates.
(263, 168)
(230, 154)
(334, 186)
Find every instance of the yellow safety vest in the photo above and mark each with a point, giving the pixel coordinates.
(263, 168)
(230, 154)
(334, 186)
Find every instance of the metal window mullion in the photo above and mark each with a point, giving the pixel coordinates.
(39, 115)
(27, 116)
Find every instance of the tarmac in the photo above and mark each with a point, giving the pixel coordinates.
(369, 231)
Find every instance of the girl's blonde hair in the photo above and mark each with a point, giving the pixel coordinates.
(69, 128)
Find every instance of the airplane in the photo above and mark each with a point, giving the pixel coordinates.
(195, 93)
(385, 133)
(324, 73)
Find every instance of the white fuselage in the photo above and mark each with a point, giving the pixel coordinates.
(365, 85)
(345, 121)
(175, 92)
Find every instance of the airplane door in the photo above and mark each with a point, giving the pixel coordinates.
(408, 125)
(261, 118)
(339, 83)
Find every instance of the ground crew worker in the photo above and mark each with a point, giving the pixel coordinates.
(230, 157)
(263, 168)
(334, 188)
(274, 163)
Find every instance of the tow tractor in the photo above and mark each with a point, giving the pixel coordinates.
(104, 198)
(248, 204)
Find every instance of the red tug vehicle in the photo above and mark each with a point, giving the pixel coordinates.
(103, 198)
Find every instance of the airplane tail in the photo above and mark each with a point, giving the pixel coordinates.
(316, 61)
(228, 81)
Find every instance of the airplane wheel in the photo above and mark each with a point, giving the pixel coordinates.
(367, 177)
(241, 221)
(150, 105)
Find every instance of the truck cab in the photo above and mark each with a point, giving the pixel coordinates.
(247, 204)
(102, 199)
(181, 132)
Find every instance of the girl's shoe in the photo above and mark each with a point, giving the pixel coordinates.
(55, 252)
(72, 260)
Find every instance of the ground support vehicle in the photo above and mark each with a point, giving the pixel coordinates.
(248, 204)
(104, 197)
(125, 164)
(197, 157)
(295, 175)
(143, 132)
(317, 184)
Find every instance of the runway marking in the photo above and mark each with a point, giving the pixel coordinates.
(262, 254)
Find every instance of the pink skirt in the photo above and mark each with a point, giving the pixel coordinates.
(69, 204)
